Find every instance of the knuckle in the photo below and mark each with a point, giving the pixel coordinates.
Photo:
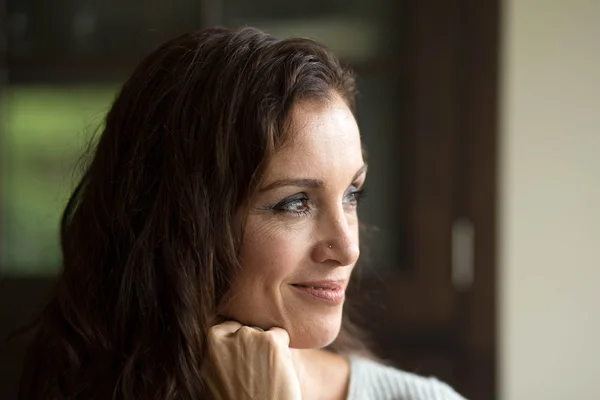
(273, 339)
(245, 333)
(244, 330)
(213, 334)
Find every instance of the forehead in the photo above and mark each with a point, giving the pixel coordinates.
(324, 135)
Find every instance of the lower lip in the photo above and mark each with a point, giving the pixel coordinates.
(331, 296)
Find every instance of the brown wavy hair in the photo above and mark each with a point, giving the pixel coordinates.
(149, 236)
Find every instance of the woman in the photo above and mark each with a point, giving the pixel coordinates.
(209, 244)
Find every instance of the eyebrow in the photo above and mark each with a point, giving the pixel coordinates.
(305, 182)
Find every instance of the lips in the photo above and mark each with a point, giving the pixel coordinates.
(330, 291)
(322, 285)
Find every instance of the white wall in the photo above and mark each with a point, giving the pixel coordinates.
(549, 269)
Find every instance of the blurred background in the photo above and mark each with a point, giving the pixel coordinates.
(482, 124)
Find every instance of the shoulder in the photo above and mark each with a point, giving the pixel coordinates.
(370, 380)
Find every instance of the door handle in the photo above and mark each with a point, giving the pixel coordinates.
(463, 254)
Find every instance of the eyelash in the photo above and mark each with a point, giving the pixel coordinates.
(285, 205)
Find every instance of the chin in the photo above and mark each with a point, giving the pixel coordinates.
(314, 334)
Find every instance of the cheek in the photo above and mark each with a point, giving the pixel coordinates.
(271, 253)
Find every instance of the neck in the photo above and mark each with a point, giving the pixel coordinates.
(304, 364)
(322, 374)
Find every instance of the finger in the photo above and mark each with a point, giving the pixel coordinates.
(225, 328)
(280, 335)
(247, 330)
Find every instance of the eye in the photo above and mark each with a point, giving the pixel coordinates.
(298, 204)
(354, 197)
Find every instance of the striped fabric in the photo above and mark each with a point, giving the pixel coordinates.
(372, 381)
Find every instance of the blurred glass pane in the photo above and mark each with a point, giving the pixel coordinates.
(45, 129)
(356, 30)
(388, 146)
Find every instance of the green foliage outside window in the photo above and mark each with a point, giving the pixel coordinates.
(44, 131)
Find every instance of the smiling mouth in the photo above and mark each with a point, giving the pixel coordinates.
(332, 292)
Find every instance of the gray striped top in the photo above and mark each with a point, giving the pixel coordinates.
(372, 381)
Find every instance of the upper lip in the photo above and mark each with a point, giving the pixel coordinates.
(325, 284)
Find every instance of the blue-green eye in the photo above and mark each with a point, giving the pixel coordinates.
(354, 197)
(298, 204)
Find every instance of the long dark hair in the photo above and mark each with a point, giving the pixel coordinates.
(149, 236)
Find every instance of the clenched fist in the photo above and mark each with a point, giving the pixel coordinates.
(248, 364)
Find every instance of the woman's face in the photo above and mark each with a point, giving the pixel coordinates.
(301, 238)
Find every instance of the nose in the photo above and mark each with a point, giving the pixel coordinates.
(338, 242)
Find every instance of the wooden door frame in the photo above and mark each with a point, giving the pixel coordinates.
(452, 63)
(478, 197)
(475, 29)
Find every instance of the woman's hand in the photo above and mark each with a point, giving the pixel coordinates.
(245, 363)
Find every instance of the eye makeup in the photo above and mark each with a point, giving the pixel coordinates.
(300, 204)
